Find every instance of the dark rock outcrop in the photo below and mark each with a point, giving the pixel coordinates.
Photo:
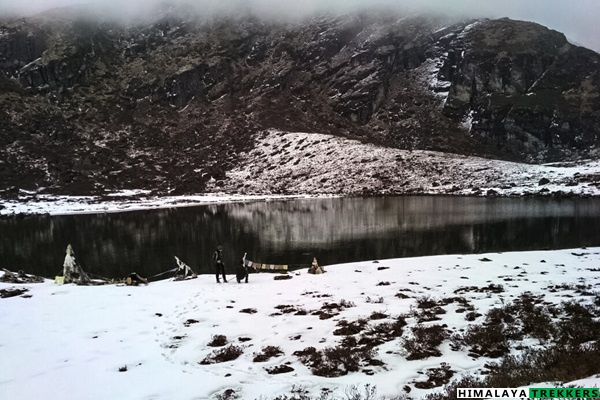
(525, 88)
(169, 104)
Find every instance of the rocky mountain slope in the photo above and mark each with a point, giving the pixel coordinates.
(173, 104)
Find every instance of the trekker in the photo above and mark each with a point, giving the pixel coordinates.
(219, 265)
(242, 271)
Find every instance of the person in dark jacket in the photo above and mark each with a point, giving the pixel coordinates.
(219, 265)
(243, 269)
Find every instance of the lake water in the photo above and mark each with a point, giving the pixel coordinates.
(292, 232)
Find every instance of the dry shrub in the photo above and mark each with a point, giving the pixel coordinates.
(491, 288)
(472, 316)
(384, 332)
(350, 328)
(224, 354)
(486, 341)
(579, 324)
(338, 361)
(449, 391)
(425, 342)
(267, 353)
(228, 394)
(378, 315)
(556, 363)
(280, 369)
(12, 292)
(326, 315)
(536, 322)
(426, 302)
(378, 300)
(347, 304)
(218, 341)
(309, 356)
(335, 361)
(437, 376)
(428, 314)
(428, 309)
(286, 308)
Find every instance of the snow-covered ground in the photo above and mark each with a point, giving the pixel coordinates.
(30, 203)
(289, 165)
(146, 342)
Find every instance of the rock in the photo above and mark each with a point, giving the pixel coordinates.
(543, 181)
(171, 103)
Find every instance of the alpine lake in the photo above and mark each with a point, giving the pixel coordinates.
(292, 232)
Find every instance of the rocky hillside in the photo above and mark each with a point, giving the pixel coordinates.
(89, 106)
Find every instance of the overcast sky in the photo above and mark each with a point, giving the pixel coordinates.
(579, 20)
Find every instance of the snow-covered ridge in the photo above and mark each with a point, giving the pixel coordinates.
(300, 163)
(287, 165)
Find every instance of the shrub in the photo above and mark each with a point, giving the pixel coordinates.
(267, 353)
(369, 393)
(384, 331)
(578, 326)
(426, 302)
(449, 391)
(425, 342)
(350, 328)
(228, 394)
(378, 315)
(286, 308)
(335, 361)
(346, 304)
(557, 363)
(472, 316)
(12, 292)
(280, 369)
(378, 300)
(338, 361)
(437, 376)
(491, 288)
(218, 341)
(500, 315)
(486, 340)
(224, 354)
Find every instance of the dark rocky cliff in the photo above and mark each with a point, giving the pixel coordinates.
(89, 106)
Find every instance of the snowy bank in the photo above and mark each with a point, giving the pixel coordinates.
(286, 165)
(148, 342)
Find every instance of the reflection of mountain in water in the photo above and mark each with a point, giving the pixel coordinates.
(346, 218)
(335, 230)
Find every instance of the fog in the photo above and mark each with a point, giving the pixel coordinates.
(577, 19)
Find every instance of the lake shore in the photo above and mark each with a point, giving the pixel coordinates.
(359, 170)
(158, 341)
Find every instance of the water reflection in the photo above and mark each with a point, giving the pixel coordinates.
(291, 232)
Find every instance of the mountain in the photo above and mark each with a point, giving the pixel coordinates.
(171, 104)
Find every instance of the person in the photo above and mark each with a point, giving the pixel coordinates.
(219, 265)
(242, 271)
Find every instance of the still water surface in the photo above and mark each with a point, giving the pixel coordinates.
(292, 232)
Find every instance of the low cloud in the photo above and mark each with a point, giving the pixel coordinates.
(576, 18)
